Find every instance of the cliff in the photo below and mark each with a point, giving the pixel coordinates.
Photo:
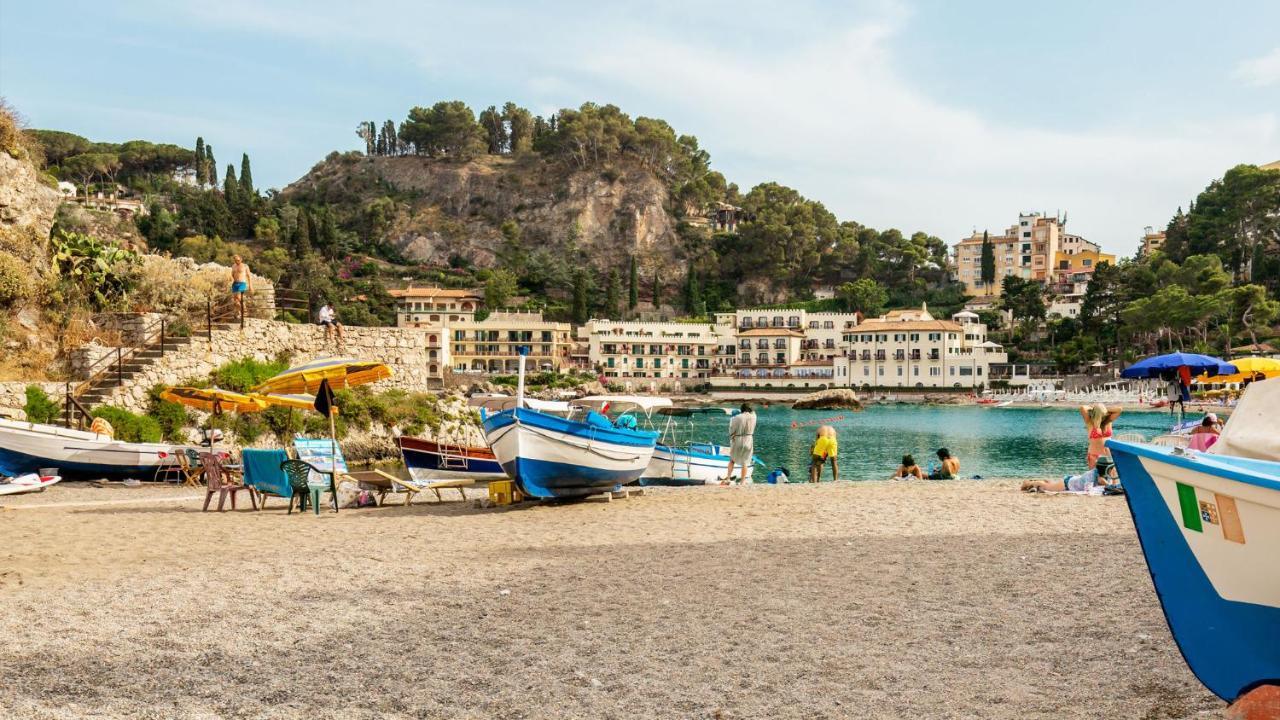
(27, 207)
(430, 210)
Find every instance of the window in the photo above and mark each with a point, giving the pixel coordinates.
(781, 358)
(640, 362)
(935, 372)
(829, 325)
(915, 337)
(881, 373)
(866, 370)
(1026, 259)
(1087, 262)
(915, 370)
(899, 371)
(1026, 233)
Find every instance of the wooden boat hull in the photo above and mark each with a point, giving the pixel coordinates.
(552, 457)
(1210, 531)
(426, 460)
(694, 464)
(78, 455)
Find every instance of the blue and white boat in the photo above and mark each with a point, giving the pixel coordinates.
(78, 455)
(549, 456)
(1209, 524)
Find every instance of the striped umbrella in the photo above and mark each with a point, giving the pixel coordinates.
(213, 400)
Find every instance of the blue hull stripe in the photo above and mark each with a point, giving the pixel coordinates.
(431, 461)
(13, 462)
(533, 418)
(1230, 646)
(543, 479)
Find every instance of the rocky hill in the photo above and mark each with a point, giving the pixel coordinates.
(27, 208)
(431, 210)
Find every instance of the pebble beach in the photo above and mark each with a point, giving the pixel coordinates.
(871, 600)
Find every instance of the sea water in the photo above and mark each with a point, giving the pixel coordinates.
(991, 442)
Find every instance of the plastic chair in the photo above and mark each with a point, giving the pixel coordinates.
(217, 483)
(299, 474)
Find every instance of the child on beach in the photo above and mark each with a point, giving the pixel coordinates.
(825, 447)
(1102, 474)
(1098, 420)
(908, 469)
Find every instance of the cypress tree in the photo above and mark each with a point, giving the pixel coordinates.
(657, 288)
(231, 188)
(633, 298)
(210, 165)
(611, 295)
(246, 177)
(690, 291)
(988, 262)
(302, 235)
(581, 297)
(200, 160)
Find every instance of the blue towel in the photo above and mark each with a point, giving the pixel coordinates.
(262, 471)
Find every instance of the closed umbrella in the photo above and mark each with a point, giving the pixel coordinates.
(326, 372)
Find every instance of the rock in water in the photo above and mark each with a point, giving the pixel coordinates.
(833, 399)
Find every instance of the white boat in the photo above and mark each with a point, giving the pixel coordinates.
(1209, 524)
(77, 454)
(28, 483)
(549, 456)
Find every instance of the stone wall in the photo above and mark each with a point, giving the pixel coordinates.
(415, 360)
(13, 395)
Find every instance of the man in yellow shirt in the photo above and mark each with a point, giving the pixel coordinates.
(825, 447)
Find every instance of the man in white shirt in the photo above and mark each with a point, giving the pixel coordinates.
(329, 319)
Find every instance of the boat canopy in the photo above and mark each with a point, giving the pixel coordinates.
(623, 403)
(691, 411)
(498, 403)
(1253, 430)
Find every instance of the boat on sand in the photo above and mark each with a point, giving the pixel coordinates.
(1209, 524)
(77, 454)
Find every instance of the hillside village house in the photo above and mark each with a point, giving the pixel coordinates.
(490, 346)
(780, 347)
(433, 306)
(1026, 250)
(1151, 241)
(635, 349)
(912, 349)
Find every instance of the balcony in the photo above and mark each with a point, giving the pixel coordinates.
(915, 354)
(899, 355)
(866, 356)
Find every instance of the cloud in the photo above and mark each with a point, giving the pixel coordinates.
(1260, 71)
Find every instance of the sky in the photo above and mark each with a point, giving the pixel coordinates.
(925, 115)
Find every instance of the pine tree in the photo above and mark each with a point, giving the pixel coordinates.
(246, 177)
(200, 171)
(611, 295)
(211, 166)
(633, 297)
(988, 262)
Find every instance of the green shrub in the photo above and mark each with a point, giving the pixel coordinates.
(244, 374)
(14, 282)
(170, 416)
(129, 427)
(40, 408)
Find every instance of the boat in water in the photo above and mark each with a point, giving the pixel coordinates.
(1209, 524)
(550, 456)
(77, 454)
(429, 460)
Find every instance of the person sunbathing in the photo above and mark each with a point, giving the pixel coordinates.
(1103, 473)
(949, 469)
(908, 469)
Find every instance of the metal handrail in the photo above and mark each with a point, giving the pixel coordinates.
(157, 329)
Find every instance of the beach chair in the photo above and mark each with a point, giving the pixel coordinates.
(384, 483)
(262, 472)
(216, 482)
(299, 474)
(189, 462)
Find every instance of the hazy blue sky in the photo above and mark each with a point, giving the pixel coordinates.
(926, 115)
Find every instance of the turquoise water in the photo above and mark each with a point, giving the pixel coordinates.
(1007, 443)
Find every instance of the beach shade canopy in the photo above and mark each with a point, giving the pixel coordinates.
(297, 401)
(213, 400)
(1249, 368)
(1160, 364)
(340, 372)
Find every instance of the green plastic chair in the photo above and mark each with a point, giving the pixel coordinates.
(299, 474)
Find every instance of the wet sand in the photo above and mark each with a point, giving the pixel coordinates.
(867, 600)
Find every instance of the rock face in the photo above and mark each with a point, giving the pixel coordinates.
(459, 208)
(834, 399)
(27, 207)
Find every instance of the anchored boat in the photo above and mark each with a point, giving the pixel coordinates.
(1209, 524)
(549, 456)
(78, 455)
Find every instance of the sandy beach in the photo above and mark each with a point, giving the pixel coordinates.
(868, 600)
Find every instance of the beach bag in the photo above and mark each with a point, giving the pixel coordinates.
(778, 477)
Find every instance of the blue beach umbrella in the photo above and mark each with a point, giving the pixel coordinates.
(1160, 364)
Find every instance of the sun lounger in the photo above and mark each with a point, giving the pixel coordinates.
(383, 483)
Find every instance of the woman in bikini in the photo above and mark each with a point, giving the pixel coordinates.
(1097, 420)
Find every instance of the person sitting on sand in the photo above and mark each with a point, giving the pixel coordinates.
(1097, 420)
(950, 468)
(825, 447)
(909, 469)
(1103, 473)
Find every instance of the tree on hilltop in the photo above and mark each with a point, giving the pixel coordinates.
(246, 177)
(520, 128)
(495, 129)
(446, 129)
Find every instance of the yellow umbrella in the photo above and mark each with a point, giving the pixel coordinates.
(213, 400)
(297, 401)
(341, 373)
(1248, 368)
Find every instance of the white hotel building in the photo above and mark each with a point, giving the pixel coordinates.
(780, 348)
(911, 349)
(666, 350)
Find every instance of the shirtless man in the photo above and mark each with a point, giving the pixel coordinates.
(241, 281)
